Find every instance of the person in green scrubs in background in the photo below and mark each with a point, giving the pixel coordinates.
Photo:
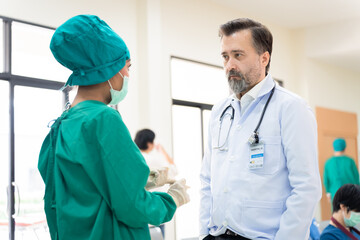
(339, 170)
(94, 174)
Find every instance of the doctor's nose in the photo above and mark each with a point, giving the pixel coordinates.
(230, 65)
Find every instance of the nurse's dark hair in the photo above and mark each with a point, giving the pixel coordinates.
(349, 195)
(261, 36)
(143, 137)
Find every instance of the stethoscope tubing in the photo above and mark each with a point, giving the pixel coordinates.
(255, 135)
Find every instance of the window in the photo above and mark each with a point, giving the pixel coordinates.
(4, 157)
(195, 87)
(31, 122)
(31, 55)
(29, 93)
(187, 155)
(197, 82)
(1, 46)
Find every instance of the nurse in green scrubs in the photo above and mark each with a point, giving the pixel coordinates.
(339, 170)
(95, 175)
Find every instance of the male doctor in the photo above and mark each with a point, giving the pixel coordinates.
(259, 176)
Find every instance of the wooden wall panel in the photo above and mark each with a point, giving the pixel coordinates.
(333, 124)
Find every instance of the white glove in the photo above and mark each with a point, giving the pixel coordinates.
(202, 237)
(158, 178)
(178, 192)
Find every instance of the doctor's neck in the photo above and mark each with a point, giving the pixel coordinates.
(239, 95)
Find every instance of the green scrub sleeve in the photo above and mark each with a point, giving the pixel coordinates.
(326, 179)
(125, 174)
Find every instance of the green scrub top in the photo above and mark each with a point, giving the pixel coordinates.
(338, 171)
(95, 177)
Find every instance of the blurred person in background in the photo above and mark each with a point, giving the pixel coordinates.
(346, 215)
(157, 159)
(155, 155)
(339, 169)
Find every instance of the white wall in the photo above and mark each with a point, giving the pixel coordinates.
(329, 85)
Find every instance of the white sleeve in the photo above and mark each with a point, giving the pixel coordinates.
(299, 140)
(205, 189)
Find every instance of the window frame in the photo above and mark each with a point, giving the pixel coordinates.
(16, 80)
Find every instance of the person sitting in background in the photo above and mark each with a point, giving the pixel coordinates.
(314, 230)
(339, 170)
(155, 155)
(162, 166)
(346, 215)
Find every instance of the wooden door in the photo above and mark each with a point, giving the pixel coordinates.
(333, 124)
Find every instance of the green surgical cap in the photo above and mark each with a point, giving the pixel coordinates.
(339, 145)
(90, 48)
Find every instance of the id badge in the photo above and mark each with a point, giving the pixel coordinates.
(256, 156)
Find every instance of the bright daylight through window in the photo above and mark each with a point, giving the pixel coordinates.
(32, 56)
(198, 84)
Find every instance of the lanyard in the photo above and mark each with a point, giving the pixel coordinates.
(344, 230)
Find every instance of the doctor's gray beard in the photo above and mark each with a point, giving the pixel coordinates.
(237, 86)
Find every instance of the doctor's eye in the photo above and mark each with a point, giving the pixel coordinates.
(225, 57)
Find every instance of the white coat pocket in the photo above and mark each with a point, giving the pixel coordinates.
(267, 212)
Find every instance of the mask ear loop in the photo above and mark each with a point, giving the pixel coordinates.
(110, 84)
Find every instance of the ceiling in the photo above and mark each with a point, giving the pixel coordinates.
(298, 14)
(306, 14)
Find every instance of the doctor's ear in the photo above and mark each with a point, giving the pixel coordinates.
(265, 58)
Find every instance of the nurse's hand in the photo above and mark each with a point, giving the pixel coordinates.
(158, 178)
(178, 192)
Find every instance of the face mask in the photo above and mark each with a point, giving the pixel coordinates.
(118, 96)
(353, 220)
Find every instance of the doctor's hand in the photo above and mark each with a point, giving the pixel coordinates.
(158, 178)
(178, 192)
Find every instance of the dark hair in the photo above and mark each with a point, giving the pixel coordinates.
(143, 137)
(349, 195)
(261, 36)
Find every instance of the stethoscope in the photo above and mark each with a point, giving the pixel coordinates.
(254, 138)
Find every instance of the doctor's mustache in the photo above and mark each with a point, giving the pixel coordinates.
(234, 73)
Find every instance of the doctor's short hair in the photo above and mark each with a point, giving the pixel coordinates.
(349, 195)
(261, 36)
(143, 137)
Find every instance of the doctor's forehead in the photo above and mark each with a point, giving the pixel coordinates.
(238, 41)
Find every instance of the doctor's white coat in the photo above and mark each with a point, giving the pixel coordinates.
(278, 200)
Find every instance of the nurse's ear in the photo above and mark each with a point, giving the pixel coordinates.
(344, 208)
